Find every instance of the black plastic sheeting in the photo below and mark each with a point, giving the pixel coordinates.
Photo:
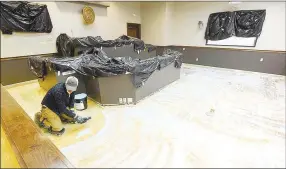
(94, 62)
(39, 65)
(249, 23)
(220, 26)
(22, 16)
(150, 47)
(66, 45)
(245, 23)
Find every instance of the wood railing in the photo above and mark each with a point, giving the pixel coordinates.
(32, 148)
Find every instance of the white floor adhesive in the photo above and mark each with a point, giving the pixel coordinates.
(83, 133)
(211, 117)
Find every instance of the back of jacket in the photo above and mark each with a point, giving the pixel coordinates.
(58, 100)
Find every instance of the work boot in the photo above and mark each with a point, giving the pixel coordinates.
(58, 133)
(38, 121)
(37, 118)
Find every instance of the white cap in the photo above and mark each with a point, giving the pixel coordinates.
(71, 83)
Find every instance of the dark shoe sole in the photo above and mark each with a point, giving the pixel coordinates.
(38, 122)
(58, 133)
(68, 122)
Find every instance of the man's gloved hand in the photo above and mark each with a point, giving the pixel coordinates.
(82, 120)
(68, 121)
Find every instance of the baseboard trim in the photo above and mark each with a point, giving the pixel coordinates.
(225, 48)
(263, 61)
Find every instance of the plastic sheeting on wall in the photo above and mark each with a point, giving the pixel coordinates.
(220, 26)
(249, 23)
(244, 23)
(66, 45)
(24, 17)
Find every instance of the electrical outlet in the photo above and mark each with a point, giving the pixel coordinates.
(184, 49)
(129, 100)
(197, 59)
(120, 100)
(124, 101)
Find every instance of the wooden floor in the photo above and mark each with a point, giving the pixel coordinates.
(30, 147)
(30, 96)
(8, 156)
(211, 117)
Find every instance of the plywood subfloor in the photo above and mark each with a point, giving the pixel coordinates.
(211, 117)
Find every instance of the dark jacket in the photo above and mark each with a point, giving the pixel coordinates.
(58, 100)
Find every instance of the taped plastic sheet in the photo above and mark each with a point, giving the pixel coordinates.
(66, 45)
(141, 70)
(39, 65)
(150, 47)
(23, 16)
(220, 26)
(244, 23)
(94, 62)
(63, 64)
(248, 23)
(102, 66)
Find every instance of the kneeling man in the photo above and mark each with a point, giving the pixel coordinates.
(58, 107)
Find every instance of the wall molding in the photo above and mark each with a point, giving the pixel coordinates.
(225, 48)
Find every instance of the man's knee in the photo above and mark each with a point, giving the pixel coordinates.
(50, 119)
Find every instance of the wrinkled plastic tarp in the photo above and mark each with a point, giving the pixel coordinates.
(220, 26)
(39, 65)
(24, 17)
(245, 23)
(150, 47)
(143, 69)
(94, 62)
(66, 45)
(62, 64)
(249, 23)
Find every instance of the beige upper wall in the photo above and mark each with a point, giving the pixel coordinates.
(157, 19)
(162, 23)
(188, 14)
(153, 16)
(110, 23)
(180, 23)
